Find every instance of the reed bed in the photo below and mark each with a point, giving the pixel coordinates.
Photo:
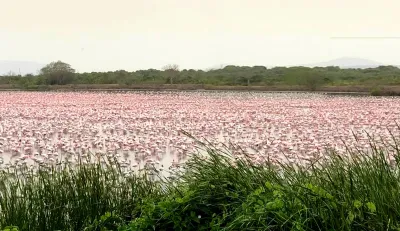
(217, 191)
(71, 196)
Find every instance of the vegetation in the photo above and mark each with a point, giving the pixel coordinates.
(358, 191)
(171, 71)
(65, 197)
(59, 73)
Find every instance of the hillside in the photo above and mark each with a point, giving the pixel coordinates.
(348, 62)
(19, 67)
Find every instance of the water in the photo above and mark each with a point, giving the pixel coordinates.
(144, 127)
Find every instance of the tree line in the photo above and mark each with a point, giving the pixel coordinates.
(60, 73)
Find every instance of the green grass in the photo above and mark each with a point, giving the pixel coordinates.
(357, 191)
(67, 197)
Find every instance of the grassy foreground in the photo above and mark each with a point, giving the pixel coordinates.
(357, 192)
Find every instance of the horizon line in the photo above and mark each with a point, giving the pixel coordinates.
(365, 37)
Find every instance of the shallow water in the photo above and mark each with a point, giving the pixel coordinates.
(140, 127)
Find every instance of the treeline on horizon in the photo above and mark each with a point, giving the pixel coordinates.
(58, 73)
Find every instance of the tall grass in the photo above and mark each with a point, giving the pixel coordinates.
(69, 197)
(357, 191)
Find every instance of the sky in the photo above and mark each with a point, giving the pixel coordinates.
(104, 35)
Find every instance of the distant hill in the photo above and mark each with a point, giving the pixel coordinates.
(348, 62)
(19, 67)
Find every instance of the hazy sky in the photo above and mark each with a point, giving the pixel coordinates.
(98, 35)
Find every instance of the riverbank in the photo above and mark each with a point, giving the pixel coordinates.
(356, 90)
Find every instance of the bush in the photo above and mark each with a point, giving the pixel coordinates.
(376, 91)
(220, 193)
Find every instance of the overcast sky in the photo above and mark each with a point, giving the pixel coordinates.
(99, 35)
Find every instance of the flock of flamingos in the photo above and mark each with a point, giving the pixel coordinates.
(140, 128)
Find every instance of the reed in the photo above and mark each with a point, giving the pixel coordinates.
(356, 191)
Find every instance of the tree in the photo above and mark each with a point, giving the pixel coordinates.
(172, 71)
(58, 73)
(11, 73)
(312, 81)
(309, 78)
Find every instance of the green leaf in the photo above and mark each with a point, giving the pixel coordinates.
(258, 191)
(275, 205)
(357, 204)
(350, 217)
(371, 207)
(329, 196)
(268, 185)
(277, 193)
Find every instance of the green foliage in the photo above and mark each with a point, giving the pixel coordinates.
(311, 79)
(376, 91)
(106, 222)
(379, 91)
(357, 191)
(10, 228)
(58, 73)
(221, 193)
(171, 72)
(68, 197)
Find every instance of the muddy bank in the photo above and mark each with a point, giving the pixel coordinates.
(334, 90)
